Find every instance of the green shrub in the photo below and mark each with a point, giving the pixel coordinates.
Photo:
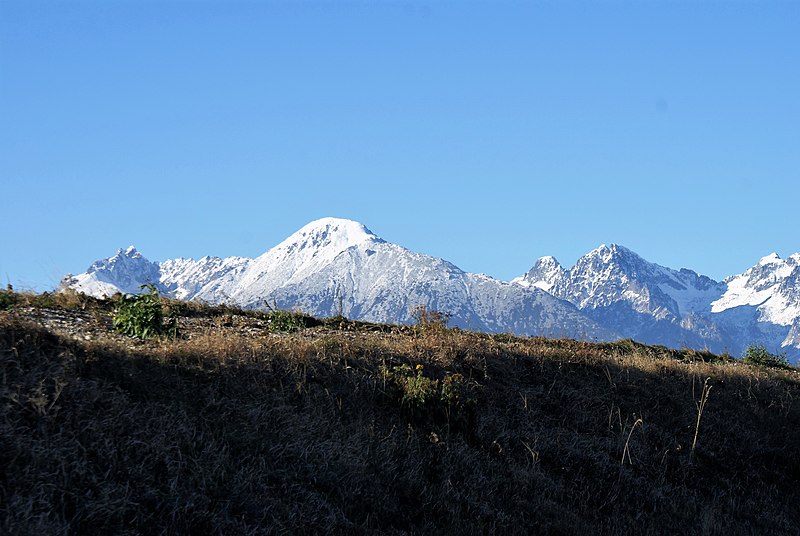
(285, 321)
(757, 354)
(425, 400)
(417, 391)
(454, 390)
(7, 299)
(141, 316)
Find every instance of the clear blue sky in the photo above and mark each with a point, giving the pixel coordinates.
(486, 133)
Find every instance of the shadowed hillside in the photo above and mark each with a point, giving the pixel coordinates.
(229, 426)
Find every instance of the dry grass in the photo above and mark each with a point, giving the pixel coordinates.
(230, 429)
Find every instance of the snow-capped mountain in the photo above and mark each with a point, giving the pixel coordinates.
(124, 272)
(771, 286)
(610, 274)
(333, 266)
(186, 279)
(659, 305)
(764, 301)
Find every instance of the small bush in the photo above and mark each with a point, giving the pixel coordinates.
(757, 354)
(425, 400)
(429, 321)
(418, 389)
(454, 390)
(141, 316)
(285, 321)
(7, 299)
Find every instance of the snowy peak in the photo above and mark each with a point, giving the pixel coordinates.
(333, 266)
(771, 286)
(128, 257)
(613, 258)
(330, 232)
(772, 258)
(613, 274)
(548, 261)
(545, 274)
(307, 251)
(606, 274)
(612, 251)
(322, 239)
(125, 272)
(547, 265)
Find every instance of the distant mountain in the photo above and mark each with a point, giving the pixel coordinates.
(679, 308)
(772, 286)
(124, 272)
(763, 303)
(334, 266)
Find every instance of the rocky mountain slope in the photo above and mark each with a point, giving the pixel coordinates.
(679, 308)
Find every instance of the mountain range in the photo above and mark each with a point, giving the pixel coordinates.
(336, 266)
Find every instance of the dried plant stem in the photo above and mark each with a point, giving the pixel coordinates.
(626, 451)
(701, 404)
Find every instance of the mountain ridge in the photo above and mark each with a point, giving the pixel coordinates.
(337, 266)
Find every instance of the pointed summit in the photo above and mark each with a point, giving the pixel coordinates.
(328, 233)
(612, 252)
(772, 258)
(616, 278)
(130, 258)
(321, 241)
(546, 273)
(307, 251)
(610, 262)
(126, 271)
(548, 262)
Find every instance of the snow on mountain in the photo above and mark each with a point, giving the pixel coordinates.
(383, 282)
(769, 293)
(792, 339)
(334, 266)
(124, 272)
(772, 286)
(610, 274)
(544, 274)
(185, 279)
(306, 252)
(652, 303)
(504, 308)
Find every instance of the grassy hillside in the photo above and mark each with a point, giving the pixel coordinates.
(227, 427)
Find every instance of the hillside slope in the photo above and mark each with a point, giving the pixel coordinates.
(347, 427)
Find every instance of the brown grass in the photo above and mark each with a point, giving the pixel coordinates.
(230, 429)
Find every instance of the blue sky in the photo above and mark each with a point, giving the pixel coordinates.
(486, 133)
